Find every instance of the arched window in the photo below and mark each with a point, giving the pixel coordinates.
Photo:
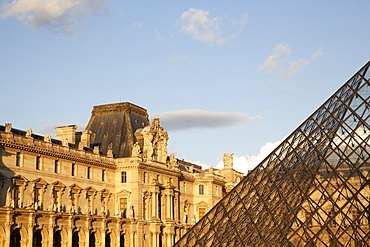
(92, 240)
(57, 240)
(122, 241)
(37, 239)
(75, 239)
(107, 240)
(15, 238)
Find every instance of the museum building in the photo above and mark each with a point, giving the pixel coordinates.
(112, 184)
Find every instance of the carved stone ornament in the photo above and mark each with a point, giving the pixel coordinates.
(47, 138)
(65, 142)
(80, 146)
(29, 133)
(110, 153)
(228, 160)
(136, 150)
(96, 150)
(8, 127)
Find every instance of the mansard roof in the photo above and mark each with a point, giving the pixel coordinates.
(113, 127)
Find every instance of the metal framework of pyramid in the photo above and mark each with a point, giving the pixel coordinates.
(312, 190)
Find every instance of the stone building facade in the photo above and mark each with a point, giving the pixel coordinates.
(113, 184)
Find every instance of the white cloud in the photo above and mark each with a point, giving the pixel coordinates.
(278, 62)
(294, 67)
(201, 119)
(200, 26)
(317, 54)
(249, 162)
(55, 15)
(276, 58)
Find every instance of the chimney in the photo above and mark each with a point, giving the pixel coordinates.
(85, 138)
(67, 132)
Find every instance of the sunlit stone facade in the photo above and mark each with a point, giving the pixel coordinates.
(113, 184)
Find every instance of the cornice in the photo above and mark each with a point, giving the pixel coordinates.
(60, 155)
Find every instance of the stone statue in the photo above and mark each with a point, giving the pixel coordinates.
(96, 150)
(80, 146)
(132, 212)
(186, 211)
(52, 203)
(47, 138)
(110, 151)
(65, 142)
(29, 133)
(148, 145)
(228, 160)
(136, 150)
(8, 197)
(172, 159)
(8, 127)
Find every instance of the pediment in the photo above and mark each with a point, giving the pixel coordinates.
(19, 180)
(40, 181)
(202, 204)
(124, 192)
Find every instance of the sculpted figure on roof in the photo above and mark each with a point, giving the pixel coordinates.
(29, 133)
(47, 138)
(155, 142)
(136, 150)
(8, 127)
(228, 160)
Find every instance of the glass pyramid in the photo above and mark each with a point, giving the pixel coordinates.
(312, 190)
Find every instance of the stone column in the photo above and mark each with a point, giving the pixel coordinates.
(30, 235)
(150, 206)
(7, 230)
(155, 204)
(50, 236)
(176, 210)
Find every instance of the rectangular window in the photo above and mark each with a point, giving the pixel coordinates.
(123, 207)
(89, 172)
(201, 189)
(38, 163)
(18, 159)
(144, 177)
(103, 175)
(73, 169)
(123, 177)
(202, 212)
(56, 166)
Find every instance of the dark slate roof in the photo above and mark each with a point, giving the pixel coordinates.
(34, 136)
(116, 124)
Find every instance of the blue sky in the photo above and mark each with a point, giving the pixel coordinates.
(223, 76)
